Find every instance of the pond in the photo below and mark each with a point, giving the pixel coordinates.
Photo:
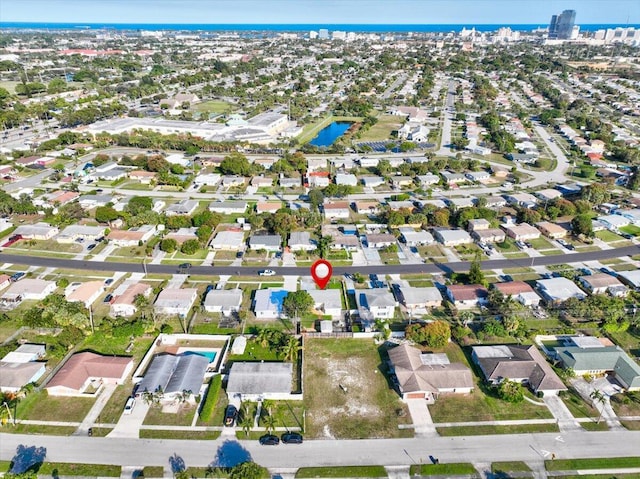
(330, 133)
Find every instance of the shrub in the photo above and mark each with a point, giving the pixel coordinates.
(212, 398)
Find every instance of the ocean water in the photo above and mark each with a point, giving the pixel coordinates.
(273, 27)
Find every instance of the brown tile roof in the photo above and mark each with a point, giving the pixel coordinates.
(467, 292)
(513, 287)
(131, 292)
(415, 376)
(82, 366)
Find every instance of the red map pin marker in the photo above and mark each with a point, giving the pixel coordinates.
(321, 272)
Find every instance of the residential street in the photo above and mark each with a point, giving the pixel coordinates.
(136, 452)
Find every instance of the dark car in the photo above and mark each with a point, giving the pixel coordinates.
(230, 415)
(269, 440)
(17, 276)
(108, 281)
(185, 266)
(91, 246)
(108, 298)
(292, 438)
(239, 254)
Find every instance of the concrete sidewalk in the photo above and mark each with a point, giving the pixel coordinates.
(96, 409)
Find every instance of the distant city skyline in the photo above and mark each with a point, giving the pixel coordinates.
(468, 12)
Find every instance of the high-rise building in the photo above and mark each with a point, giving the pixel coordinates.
(561, 26)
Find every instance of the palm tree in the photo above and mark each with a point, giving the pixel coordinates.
(324, 242)
(598, 397)
(269, 423)
(246, 421)
(264, 337)
(290, 349)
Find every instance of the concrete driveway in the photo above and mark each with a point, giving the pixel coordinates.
(421, 418)
(129, 424)
(566, 421)
(606, 387)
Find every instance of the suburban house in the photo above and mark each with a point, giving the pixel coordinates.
(144, 177)
(183, 234)
(86, 293)
(175, 301)
(267, 303)
(224, 301)
(124, 303)
(477, 176)
(630, 278)
(478, 224)
(182, 207)
(401, 205)
(453, 178)
(521, 232)
(366, 207)
(380, 240)
(92, 201)
(372, 181)
(21, 367)
(228, 207)
(174, 374)
(268, 206)
(419, 300)
(346, 179)
(37, 231)
(524, 364)
(230, 181)
(290, 182)
(557, 290)
(526, 200)
(327, 302)
(26, 289)
(132, 237)
(589, 355)
(73, 233)
(600, 283)
(548, 194)
(614, 222)
(400, 181)
(88, 370)
(491, 235)
(265, 242)
(428, 179)
(262, 181)
(208, 179)
(5, 281)
(467, 295)
(336, 210)
(452, 237)
(520, 291)
(552, 230)
(318, 179)
(301, 241)
(258, 381)
(427, 375)
(376, 303)
(412, 237)
(228, 240)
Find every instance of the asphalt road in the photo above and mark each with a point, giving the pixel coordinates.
(460, 266)
(198, 453)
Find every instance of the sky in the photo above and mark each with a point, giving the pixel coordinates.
(318, 11)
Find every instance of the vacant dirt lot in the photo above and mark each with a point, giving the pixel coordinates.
(365, 405)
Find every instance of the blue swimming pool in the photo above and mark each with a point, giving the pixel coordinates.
(211, 355)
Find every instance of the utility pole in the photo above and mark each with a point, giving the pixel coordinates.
(91, 319)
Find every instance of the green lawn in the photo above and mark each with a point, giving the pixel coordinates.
(183, 417)
(114, 407)
(608, 236)
(592, 463)
(68, 469)
(41, 406)
(341, 471)
(452, 469)
(541, 243)
(509, 466)
(382, 129)
(186, 434)
(213, 106)
(488, 430)
(631, 229)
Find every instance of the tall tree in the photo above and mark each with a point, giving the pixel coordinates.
(476, 276)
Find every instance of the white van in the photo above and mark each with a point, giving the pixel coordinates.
(128, 408)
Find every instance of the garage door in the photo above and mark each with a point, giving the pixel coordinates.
(415, 396)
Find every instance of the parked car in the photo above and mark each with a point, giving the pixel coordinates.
(128, 407)
(108, 281)
(17, 276)
(185, 266)
(91, 246)
(108, 298)
(269, 440)
(267, 272)
(239, 254)
(292, 438)
(230, 415)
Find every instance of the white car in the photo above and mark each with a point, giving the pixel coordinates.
(128, 407)
(267, 272)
